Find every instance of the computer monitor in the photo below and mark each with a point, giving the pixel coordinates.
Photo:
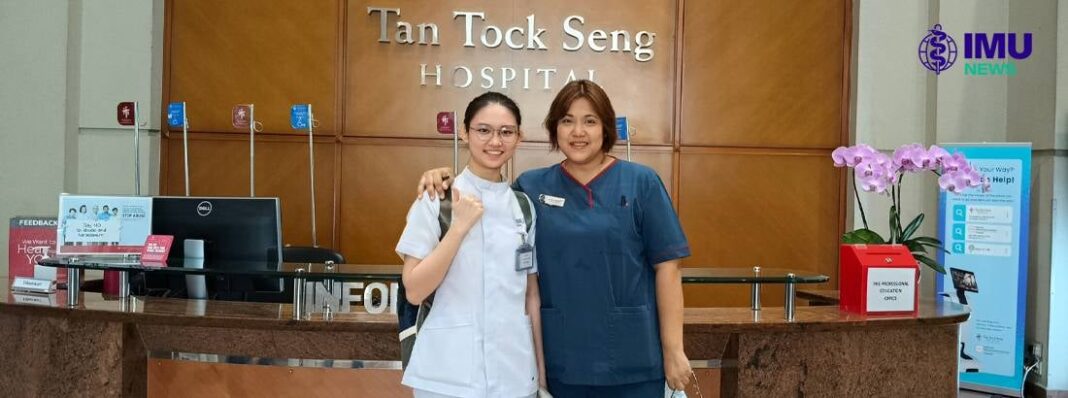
(235, 229)
(237, 232)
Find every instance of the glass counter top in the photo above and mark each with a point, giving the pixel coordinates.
(750, 275)
(342, 272)
(180, 266)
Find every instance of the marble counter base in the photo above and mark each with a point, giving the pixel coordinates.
(900, 362)
(57, 357)
(100, 349)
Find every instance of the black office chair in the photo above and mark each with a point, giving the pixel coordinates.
(307, 254)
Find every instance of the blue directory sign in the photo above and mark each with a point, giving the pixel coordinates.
(298, 116)
(986, 234)
(622, 128)
(176, 114)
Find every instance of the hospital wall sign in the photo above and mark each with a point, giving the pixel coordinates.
(477, 29)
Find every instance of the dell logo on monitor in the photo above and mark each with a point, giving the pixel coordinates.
(204, 208)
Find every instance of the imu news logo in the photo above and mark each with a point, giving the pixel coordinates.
(985, 52)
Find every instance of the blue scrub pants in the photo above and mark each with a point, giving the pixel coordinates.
(645, 389)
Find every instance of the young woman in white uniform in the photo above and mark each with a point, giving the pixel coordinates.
(483, 336)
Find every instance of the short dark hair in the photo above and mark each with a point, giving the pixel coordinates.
(602, 106)
(484, 100)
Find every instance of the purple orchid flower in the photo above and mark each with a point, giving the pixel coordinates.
(952, 182)
(971, 177)
(874, 174)
(939, 154)
(852, 156)
(906, 156)
(841, 156)
(955, 163)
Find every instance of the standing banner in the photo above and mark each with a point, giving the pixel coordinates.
(29, 240)
(986, 236)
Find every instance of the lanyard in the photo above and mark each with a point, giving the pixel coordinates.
(520, 220)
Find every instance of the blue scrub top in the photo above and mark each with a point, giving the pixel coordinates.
(596, 256)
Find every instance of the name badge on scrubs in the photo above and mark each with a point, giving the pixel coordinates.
(551, 200)
(524, 257)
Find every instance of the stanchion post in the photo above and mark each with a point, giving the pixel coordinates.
(791, 290)
(311, 166)
(298, 294)
(137, 151)
(185, 147)
(755, 291)
(252, 150)
(73, 284)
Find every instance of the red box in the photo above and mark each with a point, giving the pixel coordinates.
(878, 279)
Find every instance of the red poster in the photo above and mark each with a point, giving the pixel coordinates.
(446, 123)
(126, 113)
(241, 116)
(31, 239)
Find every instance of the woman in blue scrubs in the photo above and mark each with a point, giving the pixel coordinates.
(608, 249)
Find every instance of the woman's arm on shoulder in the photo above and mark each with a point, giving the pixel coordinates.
(435, 182)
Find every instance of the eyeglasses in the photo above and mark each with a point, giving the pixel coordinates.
(508, 134)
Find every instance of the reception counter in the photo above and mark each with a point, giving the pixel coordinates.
(106, 347)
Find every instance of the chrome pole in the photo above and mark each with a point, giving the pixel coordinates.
(185, 146)
(456, 146)
(72, 287)
(137, 153)
(252, 150)
(755, 291)
(124, 284)
(298, 294)
(791, 288)
(311, 166)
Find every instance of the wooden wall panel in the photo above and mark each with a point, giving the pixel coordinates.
(380, 74)
(218, 166)
(740, 138)
(369, 199)
(747, 208)
(272, 54)
(378, 182)
(764, 73)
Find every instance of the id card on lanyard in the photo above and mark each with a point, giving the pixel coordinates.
(524, 254)
(524, 257)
